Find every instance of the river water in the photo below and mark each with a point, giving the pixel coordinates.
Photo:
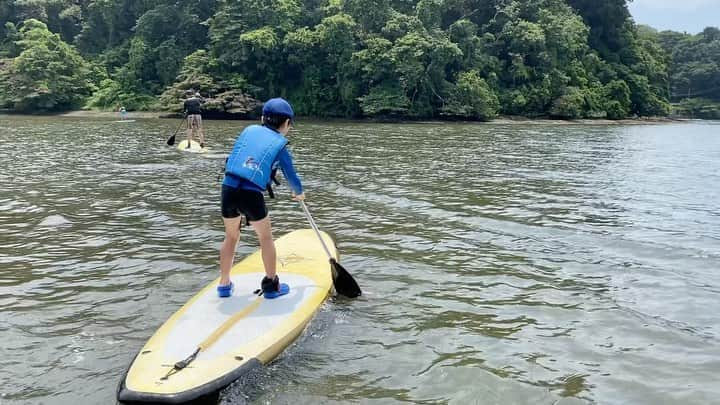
(501, 264)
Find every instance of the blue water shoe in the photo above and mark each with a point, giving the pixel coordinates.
(272, 288)
(225, 291)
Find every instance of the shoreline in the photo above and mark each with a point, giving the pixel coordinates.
(589, 121)
(500, 120)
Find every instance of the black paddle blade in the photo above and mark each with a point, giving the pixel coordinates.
(344, 283)
(171, 140)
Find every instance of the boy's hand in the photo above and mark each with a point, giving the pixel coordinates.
(299, 197)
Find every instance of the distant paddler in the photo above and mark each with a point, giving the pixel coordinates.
(191, 111)
(123, 113)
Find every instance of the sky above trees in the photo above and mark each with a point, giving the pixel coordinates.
(690, 16)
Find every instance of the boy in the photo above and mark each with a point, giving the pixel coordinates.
(247, 175)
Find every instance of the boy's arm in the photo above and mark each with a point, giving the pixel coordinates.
(288, 168)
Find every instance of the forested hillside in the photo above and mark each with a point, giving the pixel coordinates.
(694, 70)
(466, 59)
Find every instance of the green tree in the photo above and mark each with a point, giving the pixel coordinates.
(472, 98)
(239, 24)
(370, 14)
(694, 67)
(321, 65)
(405, 58)
(47, 75)
(610, 25)
(386, 100)
(699, 108)
(570, 105)
(8, 46)
(617, 96)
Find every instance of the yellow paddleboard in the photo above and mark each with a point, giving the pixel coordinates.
(240, 332)
(194, 147)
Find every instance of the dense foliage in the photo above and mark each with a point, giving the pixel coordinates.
(465, 59)
(694, 70)
(46, 74)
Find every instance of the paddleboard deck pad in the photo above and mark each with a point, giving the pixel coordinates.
(194, 147)
(234, 334)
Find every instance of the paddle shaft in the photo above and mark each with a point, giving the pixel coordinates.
(182, 121)
(171, 140)
(344, 283)
(315, 228)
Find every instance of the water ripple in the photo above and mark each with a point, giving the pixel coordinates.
(516, 264)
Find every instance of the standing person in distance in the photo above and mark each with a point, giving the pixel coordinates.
(191, 110)
(247, 175)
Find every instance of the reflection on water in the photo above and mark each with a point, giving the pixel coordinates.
(500, 263)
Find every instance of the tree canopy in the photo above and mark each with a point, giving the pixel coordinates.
(693, 67)
(459, 59)
(46, 74)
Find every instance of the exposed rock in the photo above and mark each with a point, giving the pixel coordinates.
(220, 102)
(234, 103)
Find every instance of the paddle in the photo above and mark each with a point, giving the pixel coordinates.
(171, 140)
(342, 280)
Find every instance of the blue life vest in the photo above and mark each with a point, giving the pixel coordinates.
(254, 153)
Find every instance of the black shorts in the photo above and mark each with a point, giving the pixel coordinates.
(236, 201)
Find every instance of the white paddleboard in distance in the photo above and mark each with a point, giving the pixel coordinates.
(241, 332)
(125, 121)
(194, 147)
